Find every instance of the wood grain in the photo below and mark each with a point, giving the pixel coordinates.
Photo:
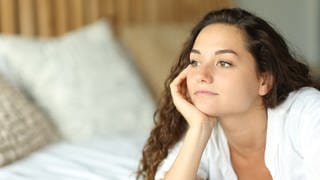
(46, 18)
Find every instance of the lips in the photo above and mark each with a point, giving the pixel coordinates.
(205, 93)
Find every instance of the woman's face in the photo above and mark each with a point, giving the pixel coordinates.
(223, 79)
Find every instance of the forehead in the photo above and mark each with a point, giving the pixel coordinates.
(221, 36)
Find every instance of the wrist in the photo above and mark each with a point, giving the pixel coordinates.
(201, 131)
(204, 126)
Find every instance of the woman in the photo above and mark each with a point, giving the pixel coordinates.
(237, 105)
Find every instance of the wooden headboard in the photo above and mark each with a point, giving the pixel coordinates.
(46, 18)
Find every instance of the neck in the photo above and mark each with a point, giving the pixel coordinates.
(246, 133)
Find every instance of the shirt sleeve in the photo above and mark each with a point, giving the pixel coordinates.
(169, 160)
(310, 139)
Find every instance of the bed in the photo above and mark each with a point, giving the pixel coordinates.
(79, 82)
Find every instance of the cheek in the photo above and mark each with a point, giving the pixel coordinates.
(251, 83)
(244, 84)
(243, 90)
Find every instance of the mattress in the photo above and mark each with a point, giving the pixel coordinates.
(101, 158)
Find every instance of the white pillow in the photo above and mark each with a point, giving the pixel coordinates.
(83, 80)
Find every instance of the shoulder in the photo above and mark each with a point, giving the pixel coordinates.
(300, 101)
(302, 108)
(298, 117)
(305, 102)
(306, 94)
(305, 109)
(301, 116)
(306, 119)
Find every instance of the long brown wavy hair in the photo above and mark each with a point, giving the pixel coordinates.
(271, 54)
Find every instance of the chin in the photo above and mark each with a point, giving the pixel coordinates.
(208, 110)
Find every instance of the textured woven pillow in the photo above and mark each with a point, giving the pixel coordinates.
(23, 127)
(83, 80)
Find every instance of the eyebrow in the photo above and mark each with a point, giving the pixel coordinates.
(221, 51)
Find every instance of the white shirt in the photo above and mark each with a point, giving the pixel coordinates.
(292, 144)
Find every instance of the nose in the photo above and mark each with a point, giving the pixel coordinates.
(204, 74)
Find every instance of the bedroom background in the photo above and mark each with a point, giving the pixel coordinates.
(80, 79)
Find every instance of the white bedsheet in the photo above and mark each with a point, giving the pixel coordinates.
(102, 158)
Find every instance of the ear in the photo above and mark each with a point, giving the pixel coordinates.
(266, 83)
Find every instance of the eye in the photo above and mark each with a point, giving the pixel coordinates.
(224, 64)
(194, 63)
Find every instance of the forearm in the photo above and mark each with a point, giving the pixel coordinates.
(187, 162)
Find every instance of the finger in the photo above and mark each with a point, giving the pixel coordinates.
(180, 78)
(176, 84)
(178, 87)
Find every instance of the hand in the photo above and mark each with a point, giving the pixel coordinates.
(181, 100)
